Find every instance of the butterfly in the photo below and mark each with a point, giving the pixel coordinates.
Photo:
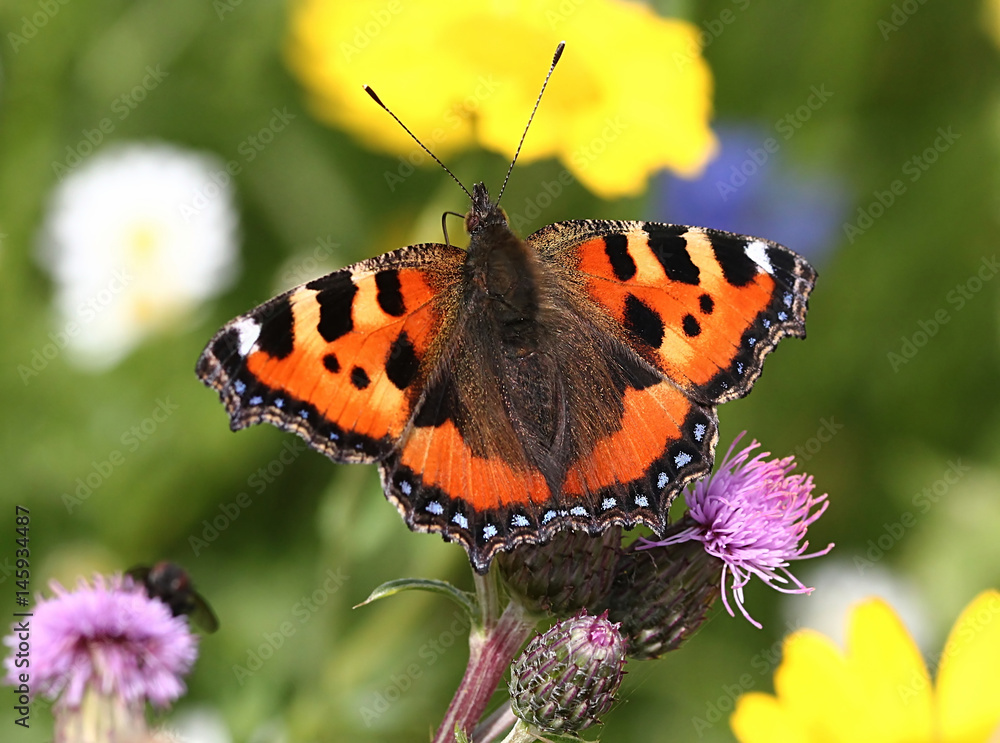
(520, 387)
(171, 584)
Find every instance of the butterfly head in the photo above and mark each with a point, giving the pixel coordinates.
(484, 213)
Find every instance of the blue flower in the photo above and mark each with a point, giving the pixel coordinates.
(749, 188)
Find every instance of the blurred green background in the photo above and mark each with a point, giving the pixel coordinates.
(898, 427)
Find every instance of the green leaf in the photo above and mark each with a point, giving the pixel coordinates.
(463, 598)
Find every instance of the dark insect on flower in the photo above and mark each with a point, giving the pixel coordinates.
(171, 584)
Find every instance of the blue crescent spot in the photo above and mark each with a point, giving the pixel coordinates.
(681, 459)
(579, 511)
(519, 520)
(436, 508)
(460, 520)
(699, 431)
(406, 488)
(489, 531)
(662, 480)
(279, 402)
(256, 400)
(239, 387)
(642, 501)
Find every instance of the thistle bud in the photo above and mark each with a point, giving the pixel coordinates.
(566, 678)
(573, 571)
(662, 596)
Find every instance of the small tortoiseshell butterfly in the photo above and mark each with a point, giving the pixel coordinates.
(520, 387)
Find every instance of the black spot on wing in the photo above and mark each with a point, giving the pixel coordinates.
(225, 347)
(690, 326)
(332, 363)
(390, 292)
(643, 321)
(277, 328)
(629, 373)
(670, 248)
(706, 304)
(335, 297)
(359, 378)
(730, 251)
(402, 364)
(439, 405)
(622, 263)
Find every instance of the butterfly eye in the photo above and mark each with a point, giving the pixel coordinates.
(472, 221)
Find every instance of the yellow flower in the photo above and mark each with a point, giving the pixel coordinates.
(631, 95)
(880, 689)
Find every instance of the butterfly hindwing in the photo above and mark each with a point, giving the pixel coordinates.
(704, 306)
(339, 360)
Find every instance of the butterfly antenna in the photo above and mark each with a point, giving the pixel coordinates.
(378, 100)
(555, 58)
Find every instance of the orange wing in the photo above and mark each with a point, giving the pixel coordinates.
(340, 360)
(703, 306)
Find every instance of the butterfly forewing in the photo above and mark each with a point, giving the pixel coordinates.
(340, 360)
(703, 306)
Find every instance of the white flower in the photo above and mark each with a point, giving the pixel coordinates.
(136, 238)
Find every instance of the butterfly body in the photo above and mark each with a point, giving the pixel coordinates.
(520, 387)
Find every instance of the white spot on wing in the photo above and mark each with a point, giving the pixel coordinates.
(406, 489)
(699, 431)
(681, 459)
(519, 520)
(460, 520)
(433, 507)
(608, 503)
(579, 511)
(642, 501)
(489, 531)
(248, 330)
(757, 252)
(662, 480)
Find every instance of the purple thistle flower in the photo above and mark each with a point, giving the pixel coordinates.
(752, 515)
(109, 638)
